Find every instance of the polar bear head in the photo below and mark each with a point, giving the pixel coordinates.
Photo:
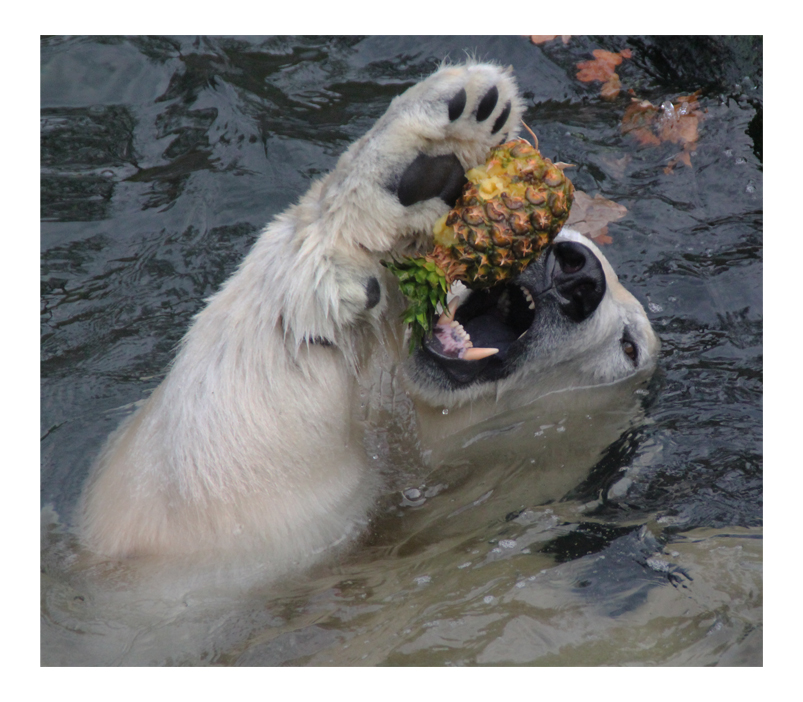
(564, 322)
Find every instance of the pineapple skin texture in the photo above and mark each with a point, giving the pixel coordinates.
(511, 209)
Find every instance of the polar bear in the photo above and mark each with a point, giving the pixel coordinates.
(248, 445)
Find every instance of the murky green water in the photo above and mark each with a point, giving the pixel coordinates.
(608, 527)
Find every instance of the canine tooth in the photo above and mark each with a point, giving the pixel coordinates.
(531, 305)
(474, 354)
(448, 314)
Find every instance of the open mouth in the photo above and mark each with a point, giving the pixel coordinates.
(484, 328)
(488, 330)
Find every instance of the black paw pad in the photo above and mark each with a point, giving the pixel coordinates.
(373, 293)
(431, 176)
(487, 104)
(457, 104)
(500, 121)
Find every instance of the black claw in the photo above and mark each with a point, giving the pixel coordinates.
(373, 293)
(487, 104)
(457, 104)
(431, 176)
(500, 121)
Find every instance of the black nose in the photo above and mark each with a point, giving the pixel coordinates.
(578, 279)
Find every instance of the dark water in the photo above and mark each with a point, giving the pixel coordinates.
(163, 157)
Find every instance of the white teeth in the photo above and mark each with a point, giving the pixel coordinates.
(458, 332)
(528, 297)
(477, 354)
(448, 315)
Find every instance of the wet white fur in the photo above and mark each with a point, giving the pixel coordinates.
(249, 444)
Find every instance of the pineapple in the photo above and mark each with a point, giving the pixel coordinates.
(512, 207)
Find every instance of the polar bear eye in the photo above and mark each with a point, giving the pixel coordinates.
(630, 349)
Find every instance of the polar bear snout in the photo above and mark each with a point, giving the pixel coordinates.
(577, 278)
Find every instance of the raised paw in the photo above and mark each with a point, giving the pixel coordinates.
(456, 115)
(409, 168)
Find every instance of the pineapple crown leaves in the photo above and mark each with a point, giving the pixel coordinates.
(424, 285)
